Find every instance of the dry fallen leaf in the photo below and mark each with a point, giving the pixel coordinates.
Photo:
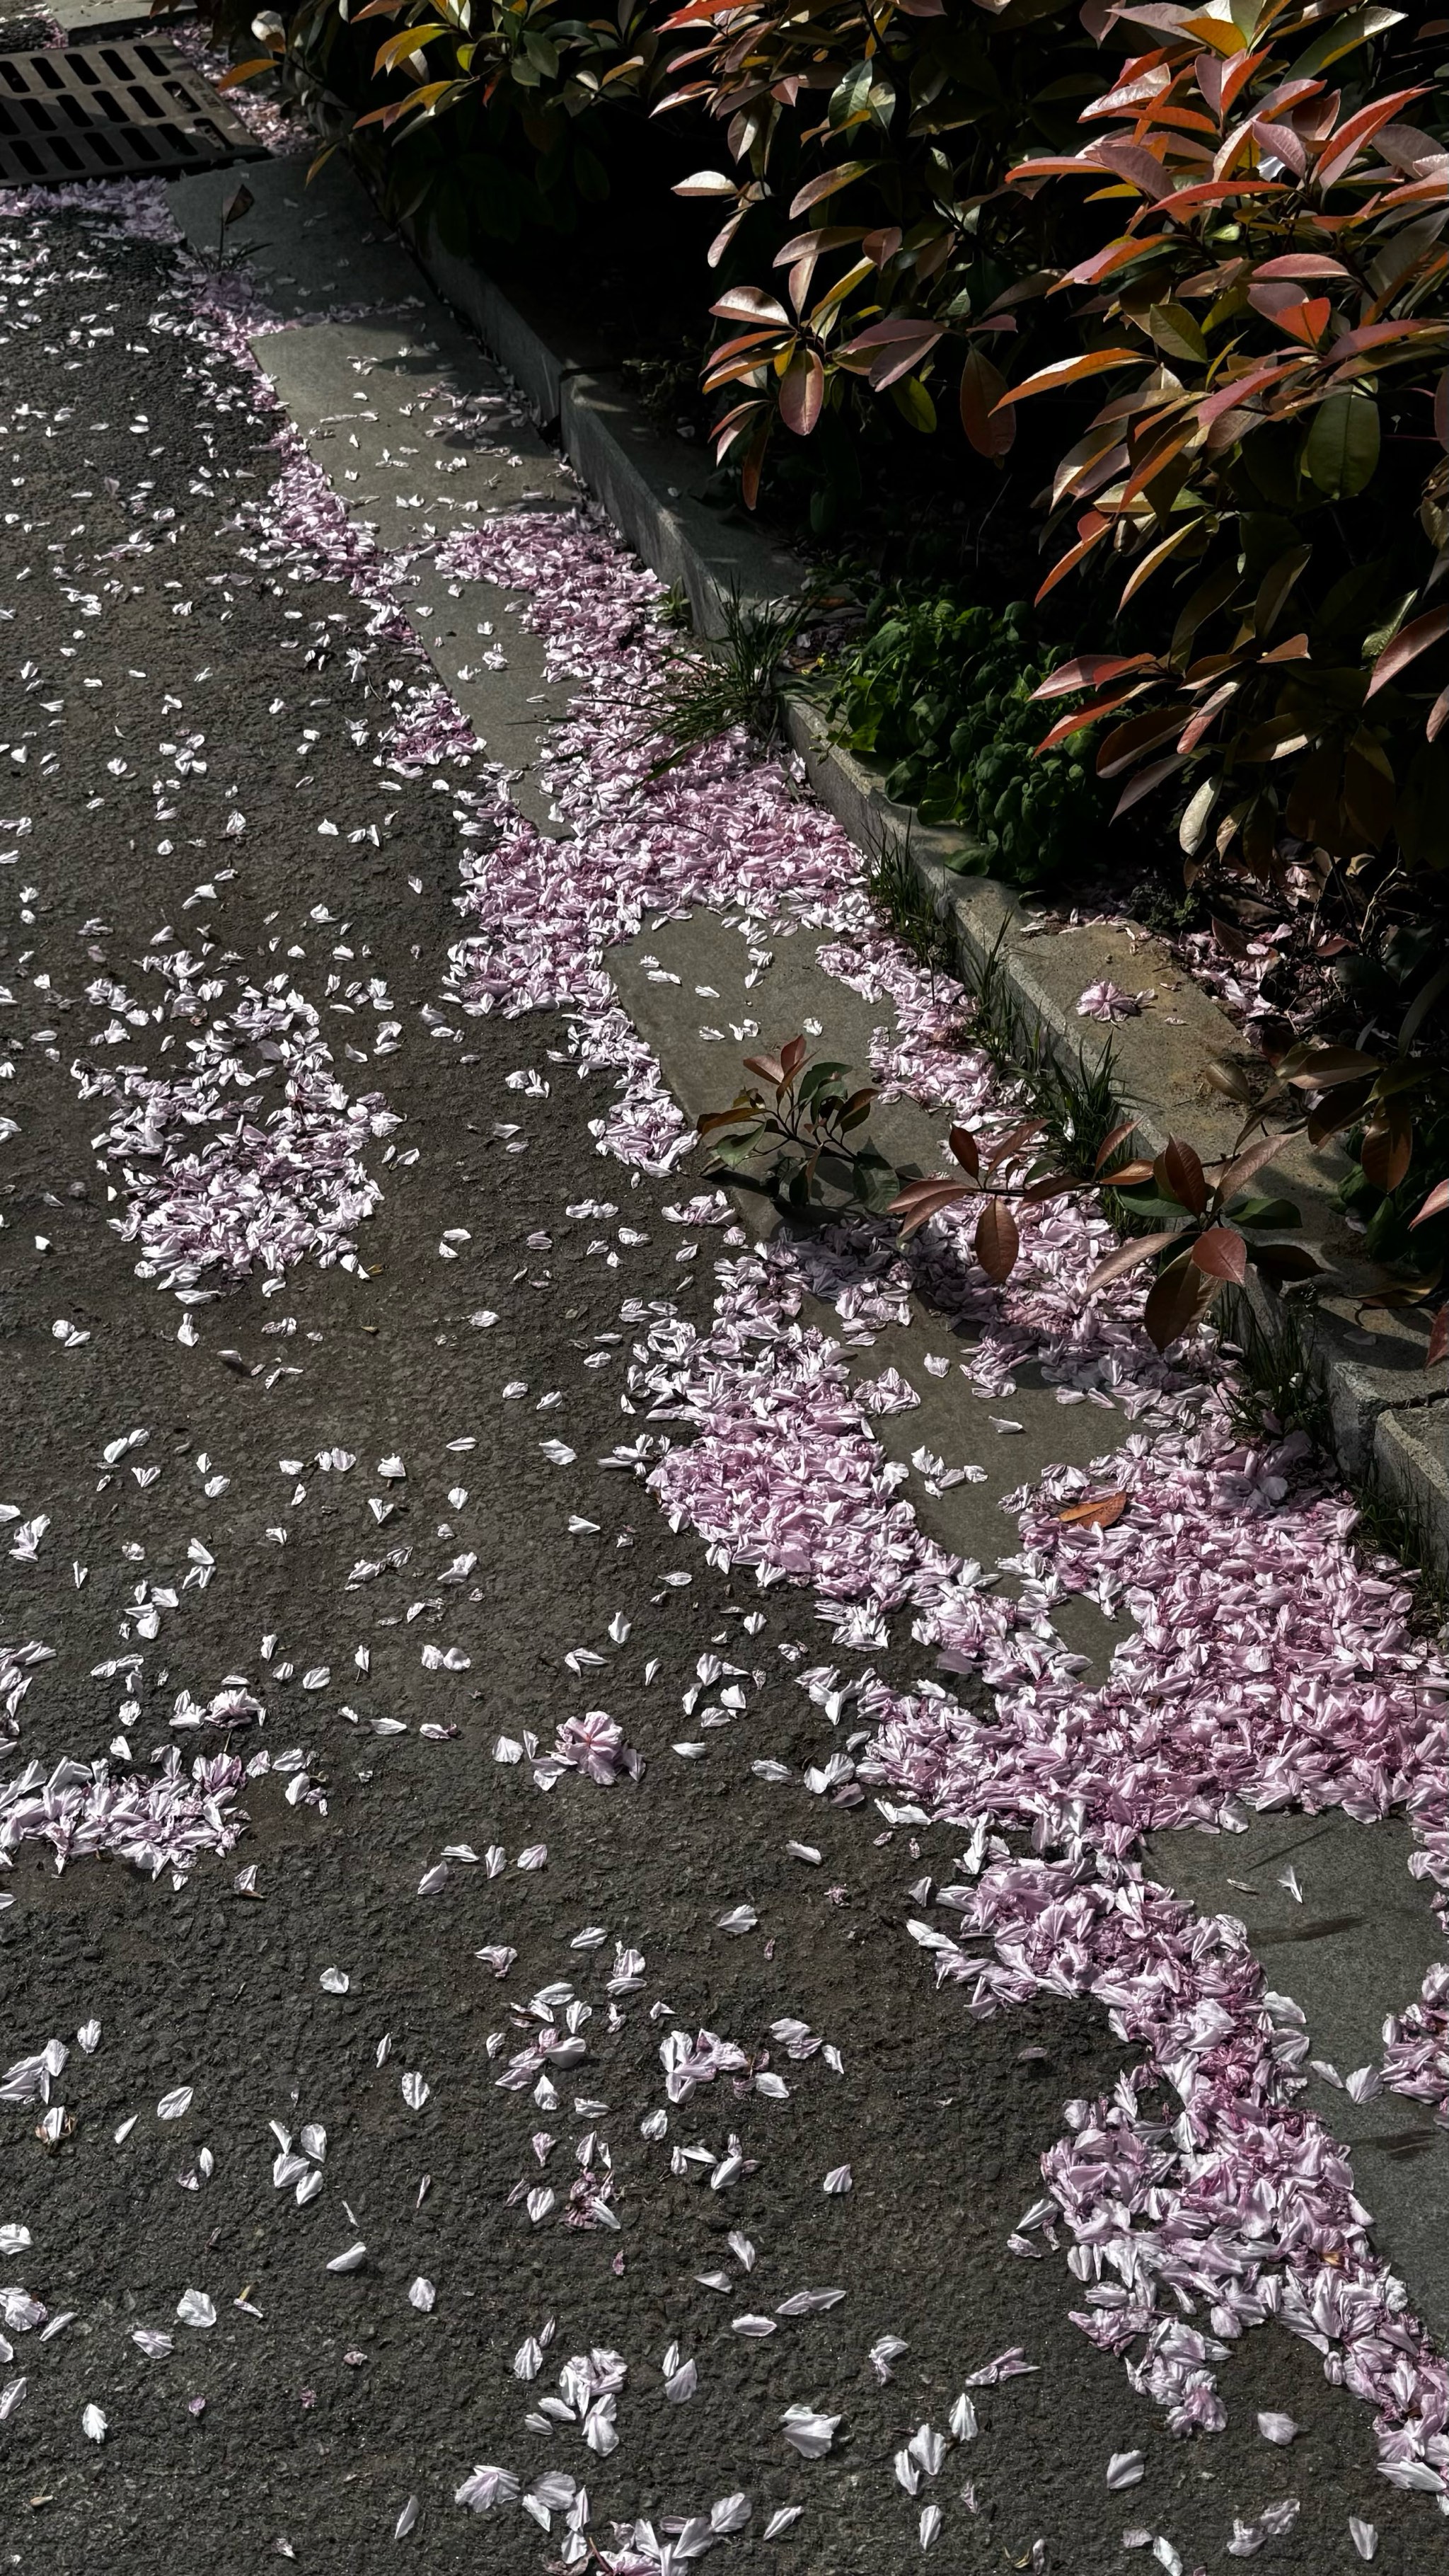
(1100, 1514)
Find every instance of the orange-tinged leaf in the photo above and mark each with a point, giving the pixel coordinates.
(802, 392)
(1356, 130)
(736, 1117)
(1101, 1514)
(924, 1199)
(1180, 1174)
(245, 71)
(1092, 528)
(1089, 671)
(1434, 1205)
(1070, 371)
(1244, 1167)
(1110, 1143)
(966, 1151)
(750, 304)
(1387, 1147)
(1153, 561)
(1066, 725)
(816, 189)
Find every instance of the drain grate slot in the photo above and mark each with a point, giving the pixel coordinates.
(112, 111)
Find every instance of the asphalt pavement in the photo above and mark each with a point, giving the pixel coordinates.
(360, 2161)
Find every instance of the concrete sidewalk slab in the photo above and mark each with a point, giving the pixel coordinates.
(1354, 1949)
(689, 976)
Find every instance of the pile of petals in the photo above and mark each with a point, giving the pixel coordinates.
(165, 1822)
(216, 1180)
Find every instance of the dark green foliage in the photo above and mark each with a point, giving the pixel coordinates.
(939, 694)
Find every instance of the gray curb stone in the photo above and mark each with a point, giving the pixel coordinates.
(1385, 1419)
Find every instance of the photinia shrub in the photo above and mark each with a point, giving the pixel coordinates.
(1271, 317)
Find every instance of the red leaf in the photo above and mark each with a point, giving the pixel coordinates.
(966, 1151)
(802, 392)
(923, 1199)
(1110, 1143)
(792, 1056)
(1221, 1254)
(1178, 1302)
(982, 386)
(1127, 1256)
(997, 1241)
(1180, 1175)
(1301, 264)
(1089, 671)
(1410, 641)
(1434, 1205)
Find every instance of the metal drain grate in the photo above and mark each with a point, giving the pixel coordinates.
(114, 111)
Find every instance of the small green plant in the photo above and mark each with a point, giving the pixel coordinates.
(736, 681)
(1211, 1235)
(1075, 1097)
(901, 893)
(940, 695)
(804, 1131)
(667, 387)
(1209, 1243)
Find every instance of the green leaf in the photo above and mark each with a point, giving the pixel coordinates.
(1342, 447)
(1341, 38)
(1272, 1212)
(1173, 328)
(850, 100)
(914, 403)
(736, 1149)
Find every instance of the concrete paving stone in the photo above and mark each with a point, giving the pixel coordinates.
(360, 394)
(1355, 1949)
(794, 995)
(1411, 1455)
(310, 245)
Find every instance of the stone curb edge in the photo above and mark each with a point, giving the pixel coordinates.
(1390, 1420)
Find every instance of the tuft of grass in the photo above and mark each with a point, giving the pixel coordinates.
(1076, 1096)
(734, 682)
(1282, 1378)
(910, 908)
(1387, 1526)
